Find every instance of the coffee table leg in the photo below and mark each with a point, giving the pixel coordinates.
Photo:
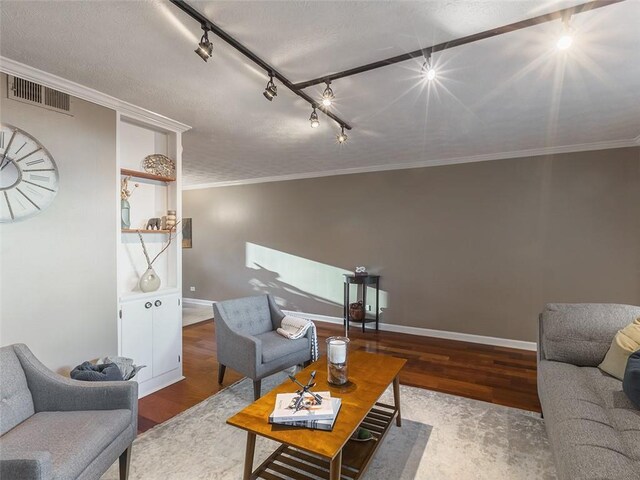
(248, 457)
(396, 398)
(336, 467)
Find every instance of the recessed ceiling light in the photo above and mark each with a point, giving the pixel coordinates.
(205, 47)
(315, 123)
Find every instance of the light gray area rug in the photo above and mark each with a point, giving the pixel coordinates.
(443, 437)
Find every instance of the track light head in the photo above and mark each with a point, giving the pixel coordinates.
(271, 90)
(205, 47)
(428, 72)
(566, 39)
(342, 137)
(315, 123)
(327, 96)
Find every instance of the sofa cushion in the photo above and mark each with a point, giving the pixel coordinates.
(275, 346)
(625, 342)
(581, 333)
(74, 439)
(249, 315)
(593, 428)
(16, 403)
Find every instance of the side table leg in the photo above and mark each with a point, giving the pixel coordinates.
(396, 398)
(248, 457)
(336, 467)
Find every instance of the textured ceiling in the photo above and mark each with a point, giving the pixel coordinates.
(504, 94)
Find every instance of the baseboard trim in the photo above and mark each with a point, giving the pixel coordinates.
(427, 332)
(197, 301)
(389, 327)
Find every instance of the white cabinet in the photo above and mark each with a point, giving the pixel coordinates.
(151, 334)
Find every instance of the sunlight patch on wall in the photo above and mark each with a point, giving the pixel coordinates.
(279, 272)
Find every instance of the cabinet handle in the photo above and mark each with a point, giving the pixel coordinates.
(147, 305)
(158, 303)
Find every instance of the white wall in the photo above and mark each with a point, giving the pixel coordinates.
(58, 269)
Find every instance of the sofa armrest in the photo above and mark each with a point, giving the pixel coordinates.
(31, 465)
(53, 392)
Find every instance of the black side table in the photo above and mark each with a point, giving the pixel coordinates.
(364, 280)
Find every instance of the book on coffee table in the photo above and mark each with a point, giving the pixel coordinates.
(327, 425)
(285, 411)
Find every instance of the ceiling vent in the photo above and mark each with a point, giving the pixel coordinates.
(35, 94)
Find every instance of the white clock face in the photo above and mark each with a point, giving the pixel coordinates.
(28, 175)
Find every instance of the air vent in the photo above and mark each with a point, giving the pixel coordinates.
(35, 94)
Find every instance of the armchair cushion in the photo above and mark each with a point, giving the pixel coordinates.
(276, 346)
(16, 403)
(73, 439)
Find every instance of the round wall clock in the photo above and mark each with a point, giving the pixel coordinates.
(28, 175)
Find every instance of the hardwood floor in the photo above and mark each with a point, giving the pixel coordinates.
(493, 374)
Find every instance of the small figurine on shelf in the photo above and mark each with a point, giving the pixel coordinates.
(169, 220)
(125, 208)
(154, 224)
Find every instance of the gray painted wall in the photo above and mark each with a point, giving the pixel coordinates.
(58, 269)
(475, 248)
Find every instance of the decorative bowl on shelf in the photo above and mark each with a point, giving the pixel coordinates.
(158, 164)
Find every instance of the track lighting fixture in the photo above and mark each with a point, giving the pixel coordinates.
(566, 39)
(428, 71)
(327, 96)
(205, 47)
(342, 137)
(315, 123)
(271, 90)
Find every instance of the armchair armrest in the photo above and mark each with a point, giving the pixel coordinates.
(32, 465)
(53, 392)
(236, 350)
(276, 313)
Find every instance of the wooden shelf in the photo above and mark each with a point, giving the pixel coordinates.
(148, 176)
(133, 230)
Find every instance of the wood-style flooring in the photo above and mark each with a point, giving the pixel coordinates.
(499, 375)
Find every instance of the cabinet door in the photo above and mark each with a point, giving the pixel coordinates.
(167, 334)
(137, 331)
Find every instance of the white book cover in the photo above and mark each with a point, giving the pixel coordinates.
(317, 424)
(284, 410)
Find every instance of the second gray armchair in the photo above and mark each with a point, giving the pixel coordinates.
(247, 340)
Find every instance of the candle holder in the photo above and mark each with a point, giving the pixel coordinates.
(337, 360)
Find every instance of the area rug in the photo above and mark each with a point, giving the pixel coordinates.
(442, 437)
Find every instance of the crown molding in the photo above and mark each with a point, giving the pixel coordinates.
(534, 152)
(12, 67)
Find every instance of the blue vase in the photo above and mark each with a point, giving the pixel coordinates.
(125, 217)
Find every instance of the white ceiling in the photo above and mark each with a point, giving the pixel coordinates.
(506, 94)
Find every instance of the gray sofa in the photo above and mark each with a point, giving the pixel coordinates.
(53, 427)
(247, 340)
(593, 428)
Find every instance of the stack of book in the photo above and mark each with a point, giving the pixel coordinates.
(312, 415)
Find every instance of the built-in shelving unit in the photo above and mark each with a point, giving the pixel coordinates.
(150, 323)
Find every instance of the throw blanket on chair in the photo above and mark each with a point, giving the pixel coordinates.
(294, 327)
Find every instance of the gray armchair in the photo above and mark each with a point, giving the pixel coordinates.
(52, 427)
(247, 340)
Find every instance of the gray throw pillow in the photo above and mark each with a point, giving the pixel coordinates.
(631, 380)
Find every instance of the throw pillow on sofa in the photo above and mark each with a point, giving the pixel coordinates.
(631, 381)
(626, 342)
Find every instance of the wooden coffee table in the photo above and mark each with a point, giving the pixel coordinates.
(320, 453)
